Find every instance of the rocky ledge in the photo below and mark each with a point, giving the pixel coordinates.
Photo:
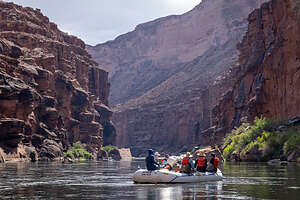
(51, 93)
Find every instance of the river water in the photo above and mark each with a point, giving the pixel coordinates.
(113, 180)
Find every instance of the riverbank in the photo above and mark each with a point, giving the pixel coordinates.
(264, 140)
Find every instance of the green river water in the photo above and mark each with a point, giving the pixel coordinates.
(113, 180)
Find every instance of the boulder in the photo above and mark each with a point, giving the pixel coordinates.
(114, 154)
(294, 121)
(125, 154)
(254, 154)
(50, 150)
(102, 155)
(292, 157)
(32, 154)
(2, 156)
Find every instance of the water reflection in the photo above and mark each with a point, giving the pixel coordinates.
(182, 191)
(113, 180)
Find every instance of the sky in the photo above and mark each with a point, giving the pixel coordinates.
(97, 21)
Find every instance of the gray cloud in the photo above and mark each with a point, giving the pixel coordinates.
(96, 21)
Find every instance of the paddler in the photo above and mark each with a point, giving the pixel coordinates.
(213, 163)
(201, 162)
(187, 165)
(151, 164)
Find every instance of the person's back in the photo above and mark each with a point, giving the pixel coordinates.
(213, 163)
(151, 164)
(201, 163)
(187, 164)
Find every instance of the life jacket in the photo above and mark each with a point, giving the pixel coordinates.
(168, 167)
(185, 161)
(216, 162)
(201, 162)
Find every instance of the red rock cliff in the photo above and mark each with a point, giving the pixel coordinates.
(51, 93)
(268, 77)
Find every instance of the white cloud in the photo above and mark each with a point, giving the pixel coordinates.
(96, 21)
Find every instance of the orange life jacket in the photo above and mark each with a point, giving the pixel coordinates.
(216, 162)
(168, 167)
(201, 162)
(185, 161)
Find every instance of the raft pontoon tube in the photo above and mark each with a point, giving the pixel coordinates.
(166, 176)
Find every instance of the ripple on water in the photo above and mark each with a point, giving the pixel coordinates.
(110, 181)
(255, 180)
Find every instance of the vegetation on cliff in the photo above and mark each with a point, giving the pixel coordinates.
(263, 140)
(77, 151)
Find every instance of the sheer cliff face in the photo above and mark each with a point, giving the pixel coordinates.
(51, 93)
(168, 75)
(268, 77)
(154, 51)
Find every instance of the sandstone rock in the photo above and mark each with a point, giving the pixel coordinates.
(252, 155)
(102, 155)
(32, 153)
(268, 68)
(125, 154)
(293, 157)
(294, 121)
(50, 150)
(114, 154)
(2, 156)
(48, 87)
(12, 131)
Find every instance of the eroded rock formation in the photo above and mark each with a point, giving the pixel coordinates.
(168, 75)
(267, 79)
(51, 93)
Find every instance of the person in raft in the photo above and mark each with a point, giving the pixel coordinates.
(187, 165)
(213, 163)
(201, 162)
(151, 164)
(164, 160)
(156, 156)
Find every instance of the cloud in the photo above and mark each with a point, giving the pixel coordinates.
(96, 21)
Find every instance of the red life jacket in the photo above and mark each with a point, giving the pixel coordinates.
(185, 161)
(216, 162)
(201, 162)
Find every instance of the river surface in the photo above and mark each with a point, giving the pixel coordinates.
(113, 180)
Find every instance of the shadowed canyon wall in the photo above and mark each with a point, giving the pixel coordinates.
(267, 79)
(167, 75)
(51, 93)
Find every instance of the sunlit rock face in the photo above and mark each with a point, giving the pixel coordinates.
(50, 88)
(167, 75)
(267, 80)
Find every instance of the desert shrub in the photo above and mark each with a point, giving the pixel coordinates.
(261, 135)
(77, 151)
(108, 148)
(292, 142)
(244, 138)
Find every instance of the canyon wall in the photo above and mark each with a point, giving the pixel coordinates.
(167, 75)
(51, 93)
(267, 78)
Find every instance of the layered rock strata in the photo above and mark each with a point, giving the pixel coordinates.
(267, 78)
(167, 75)
(51, 93)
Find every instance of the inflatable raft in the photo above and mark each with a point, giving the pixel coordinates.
(166, 176)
